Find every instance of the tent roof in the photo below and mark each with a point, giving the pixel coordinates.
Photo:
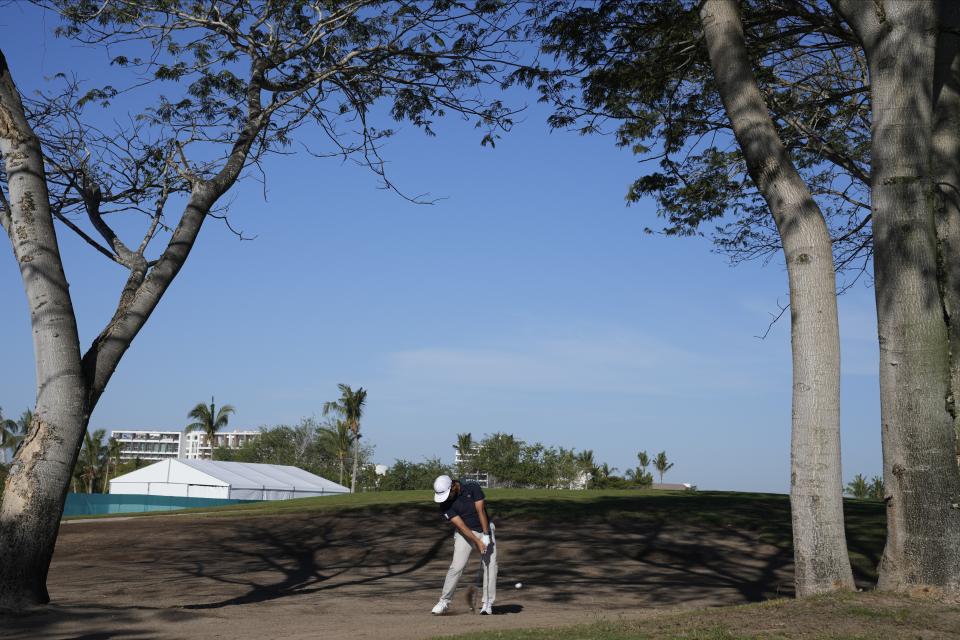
(236, 475)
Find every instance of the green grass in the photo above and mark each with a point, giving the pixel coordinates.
(843, 616)
(540, 502)
(527, 503)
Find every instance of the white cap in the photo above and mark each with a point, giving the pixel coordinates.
(441, 488)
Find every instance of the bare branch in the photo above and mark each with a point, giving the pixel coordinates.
(83, 234)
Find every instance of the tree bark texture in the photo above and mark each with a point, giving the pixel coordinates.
(916, 399)
(946, 172)
(820, 549)
(40, 474)
(68, 385)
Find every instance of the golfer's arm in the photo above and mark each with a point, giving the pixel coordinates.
(482, 513)
(464, 530)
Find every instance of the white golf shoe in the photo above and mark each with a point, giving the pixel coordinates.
(486, 609)
(440, 608)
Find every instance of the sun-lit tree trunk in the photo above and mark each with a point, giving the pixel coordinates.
(916, 400)
(820, 550)
(250, 74)
(40, 474)
(68, 385)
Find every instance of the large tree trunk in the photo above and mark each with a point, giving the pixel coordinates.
(916, 399)
(40, 474)
(946, 172)
(68, 386)
(820, 549)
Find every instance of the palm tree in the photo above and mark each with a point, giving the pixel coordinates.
(12, 432)
(350, 407)
(644, 459)
(91, 456)
(111, 456)
(209, 420)
(858, 488)
(7, 434)
(585, 460)
(602, 474)
(337, 440)
(641, 475)
(465, 447)
(24, 422)
(877, 490)
(661, 465)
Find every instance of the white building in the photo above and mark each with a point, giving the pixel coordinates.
(167, 445)
(224, 480)
(148, 445)
(464, 458)
(196, 445)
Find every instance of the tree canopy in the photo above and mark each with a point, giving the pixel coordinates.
(200, 93)
(640, 68)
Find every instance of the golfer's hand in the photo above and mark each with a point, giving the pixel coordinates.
(482, 548)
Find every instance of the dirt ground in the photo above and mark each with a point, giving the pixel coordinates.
(376, 574)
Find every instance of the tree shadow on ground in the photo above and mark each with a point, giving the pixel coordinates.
(635, 550)
(100, 623)
(312, 557)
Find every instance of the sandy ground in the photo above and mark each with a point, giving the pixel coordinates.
(369, 574)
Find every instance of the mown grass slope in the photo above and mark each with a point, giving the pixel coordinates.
(844, 616)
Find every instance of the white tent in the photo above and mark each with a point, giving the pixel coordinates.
(225, 480)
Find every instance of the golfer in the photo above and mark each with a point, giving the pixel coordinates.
(462, 504)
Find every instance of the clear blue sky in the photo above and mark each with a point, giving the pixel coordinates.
(528, 300)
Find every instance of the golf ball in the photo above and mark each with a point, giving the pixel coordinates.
(519, 585)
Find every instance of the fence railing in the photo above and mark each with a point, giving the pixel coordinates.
(86, 504)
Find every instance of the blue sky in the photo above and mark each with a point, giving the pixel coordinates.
(527, 300)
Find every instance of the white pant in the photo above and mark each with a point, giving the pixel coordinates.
(461, 554)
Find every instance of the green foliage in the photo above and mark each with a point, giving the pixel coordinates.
(404, 475)
(858, 487)
(640, 476)
(332, 68)
(510, 462)
(308, 445)
(465, 447)
(499, 456)
(209, 420)
(644, 459)
(337, 438)
(661, 464)
(640, 67)
(604, 478)
(862, 489)
(12, 432)
(350, 408)
(92, 460)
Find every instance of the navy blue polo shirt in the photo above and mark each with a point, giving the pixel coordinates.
(464, 505)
